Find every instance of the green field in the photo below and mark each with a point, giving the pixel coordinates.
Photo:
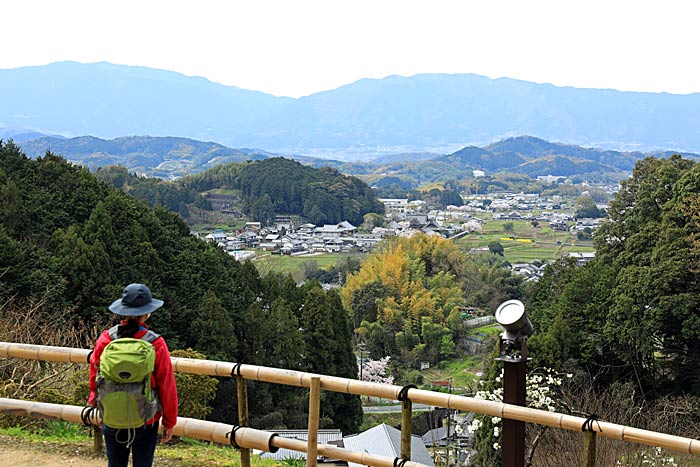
(460, 371)
(295, 264)
(526, 243)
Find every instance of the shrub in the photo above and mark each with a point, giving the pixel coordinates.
(195, 392)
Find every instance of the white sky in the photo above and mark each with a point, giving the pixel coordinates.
(297, 47)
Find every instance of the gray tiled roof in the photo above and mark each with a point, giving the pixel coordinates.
(383, 440)
(324, 437)
(437, 434)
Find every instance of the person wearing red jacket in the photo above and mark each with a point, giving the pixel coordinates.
(135, 307)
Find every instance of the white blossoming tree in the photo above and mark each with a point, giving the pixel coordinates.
(374, 371)
(542, 393)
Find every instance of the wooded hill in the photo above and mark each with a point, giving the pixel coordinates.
(69, 243)
(524, 155)
(164, 157)
(168, 157)
(266, 189)
(283, 186)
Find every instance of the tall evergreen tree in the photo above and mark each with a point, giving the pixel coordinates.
(212, 329)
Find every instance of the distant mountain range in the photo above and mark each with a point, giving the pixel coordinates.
(432, 112)
(170, 157)
(22, 135)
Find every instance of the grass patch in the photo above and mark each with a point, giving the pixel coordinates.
(490, 330)
(56, 431)
(193, 453)
(227, 225)
(460, 371)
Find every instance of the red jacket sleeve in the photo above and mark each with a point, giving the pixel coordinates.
(165, 383)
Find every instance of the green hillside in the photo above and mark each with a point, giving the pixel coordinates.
(282, 186)
(67, 249)
(165, 157)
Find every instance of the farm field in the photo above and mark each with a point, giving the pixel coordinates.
(295, 264)
(525, 243)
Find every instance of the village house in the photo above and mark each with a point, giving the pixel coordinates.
(582, 258)
(217, 236)
(254, 226)
(395, 205)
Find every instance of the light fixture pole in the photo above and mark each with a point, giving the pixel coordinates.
(513, 353)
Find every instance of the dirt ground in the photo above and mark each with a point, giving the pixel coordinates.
(18, 452)
(26, 456)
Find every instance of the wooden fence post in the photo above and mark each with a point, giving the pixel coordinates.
(97, 440)
(242, 391)
(589, 445)
(314, 410)
(406, 408)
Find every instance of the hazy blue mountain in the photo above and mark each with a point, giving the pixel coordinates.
(415, 114)
(109, 100)
(436, 110)
(19, 135)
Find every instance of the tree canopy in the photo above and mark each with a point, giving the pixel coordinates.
(283, 186)
(634, 312)
(154, 191)
(73, 244)
(406, 300)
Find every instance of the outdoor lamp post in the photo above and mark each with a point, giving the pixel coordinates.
(513, 353)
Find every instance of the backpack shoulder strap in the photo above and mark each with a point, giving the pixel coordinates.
(150, 336)
(113, 332)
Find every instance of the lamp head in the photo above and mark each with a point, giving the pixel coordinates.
(511, 315)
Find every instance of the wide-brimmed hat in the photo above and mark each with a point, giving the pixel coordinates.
(136, 301)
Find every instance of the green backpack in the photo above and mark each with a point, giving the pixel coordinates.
(124, 395)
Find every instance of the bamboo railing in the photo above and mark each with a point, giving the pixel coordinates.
(386, 391)
(200, 429)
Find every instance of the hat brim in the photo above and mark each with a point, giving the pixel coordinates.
(118, 309)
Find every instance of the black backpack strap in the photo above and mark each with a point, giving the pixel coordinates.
(150, 336)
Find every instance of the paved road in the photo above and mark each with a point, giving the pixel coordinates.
(394, 408)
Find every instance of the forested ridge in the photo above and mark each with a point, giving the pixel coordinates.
(154, 191)
(275, 186)
(283, 186)
(69, 243)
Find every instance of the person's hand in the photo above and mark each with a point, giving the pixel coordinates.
(167, 435)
